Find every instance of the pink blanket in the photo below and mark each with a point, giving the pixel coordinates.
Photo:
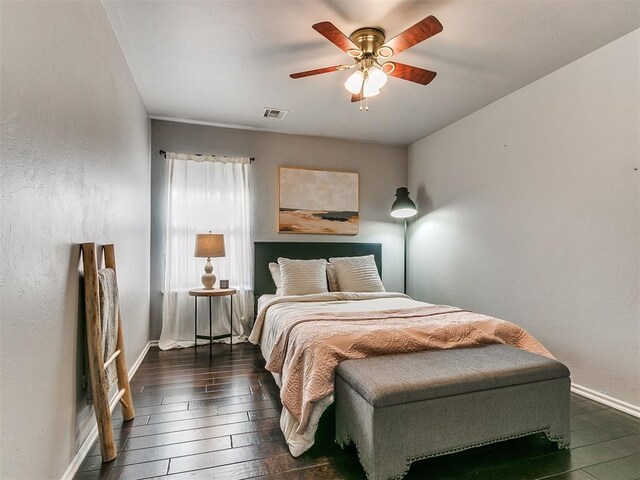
(310, 346)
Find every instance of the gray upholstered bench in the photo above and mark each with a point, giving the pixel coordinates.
(401, 408)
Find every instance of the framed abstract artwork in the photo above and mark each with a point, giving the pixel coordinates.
(317, 201)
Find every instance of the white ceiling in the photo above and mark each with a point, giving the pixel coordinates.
(222, 62)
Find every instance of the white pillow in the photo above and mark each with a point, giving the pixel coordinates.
(357, 274)
(334, 286)
(274, 268)
(303, 277)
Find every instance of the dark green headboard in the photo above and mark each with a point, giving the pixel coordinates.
(265, 252)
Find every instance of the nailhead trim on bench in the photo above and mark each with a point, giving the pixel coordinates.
(346, 440)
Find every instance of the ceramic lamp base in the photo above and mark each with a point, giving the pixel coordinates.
(208, 279)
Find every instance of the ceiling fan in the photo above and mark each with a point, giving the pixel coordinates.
(370, 51)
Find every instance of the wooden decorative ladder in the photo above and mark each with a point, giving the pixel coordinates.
(97, 365)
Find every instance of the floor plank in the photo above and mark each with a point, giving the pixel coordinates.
(172, 451)
(601, 433)
(627, 468)
(226, 457)
(201, 417)
(199, 433)
(128, 472)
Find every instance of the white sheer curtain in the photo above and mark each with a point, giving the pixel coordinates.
(206, 193)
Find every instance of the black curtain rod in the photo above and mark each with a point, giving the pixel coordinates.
(164, 154)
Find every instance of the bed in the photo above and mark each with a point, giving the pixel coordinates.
(304, 338)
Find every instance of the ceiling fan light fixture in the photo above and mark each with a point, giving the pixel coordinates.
(354, 82)
(368, 45)
(374, 80)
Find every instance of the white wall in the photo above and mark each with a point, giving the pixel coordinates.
(382, 169)
(75, 167)
(530, 211)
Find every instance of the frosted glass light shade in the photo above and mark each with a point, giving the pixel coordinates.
(368, 91)
(209, 245)
(354, 82)
(376, 78)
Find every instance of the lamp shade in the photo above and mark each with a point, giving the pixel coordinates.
(376, 78)
(354, 82)
(209, 245)
(403, 207)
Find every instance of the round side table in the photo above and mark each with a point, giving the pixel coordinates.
(210, 293)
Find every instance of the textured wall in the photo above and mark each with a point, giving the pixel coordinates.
(531, 211)
(382, 169)
(75, 168)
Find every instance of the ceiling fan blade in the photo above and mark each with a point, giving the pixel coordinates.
(425, 28)
(317, 71)
(329, 31)
(413, 74)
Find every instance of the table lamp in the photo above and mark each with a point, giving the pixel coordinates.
(209, 245)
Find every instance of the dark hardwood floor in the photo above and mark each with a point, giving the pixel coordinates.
(218, 417)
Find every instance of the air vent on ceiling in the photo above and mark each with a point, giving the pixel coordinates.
(275, 113)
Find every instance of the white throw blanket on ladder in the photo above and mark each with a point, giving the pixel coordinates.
(109, 308)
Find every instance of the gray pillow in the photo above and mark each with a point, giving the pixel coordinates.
(303, 277)
(357, 274)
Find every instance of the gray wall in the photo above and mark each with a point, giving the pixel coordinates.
(75, 167)
(531, 212)
(382, 169)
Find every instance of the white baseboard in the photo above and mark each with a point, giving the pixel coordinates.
(93, 434)
(136, 364)
(606, 400)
